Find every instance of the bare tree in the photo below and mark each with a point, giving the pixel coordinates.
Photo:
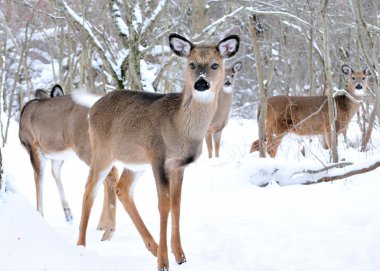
(260, 76)
(366, 45)
(330, 99)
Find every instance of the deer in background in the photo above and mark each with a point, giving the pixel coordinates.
(222, 113)
(308, 115)
(56, 129)
(162, 131)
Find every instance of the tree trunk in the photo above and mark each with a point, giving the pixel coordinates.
(199, 16)
(2, 182)
(329, 83)
(260, 78)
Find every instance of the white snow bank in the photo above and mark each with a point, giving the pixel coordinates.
(29, 243)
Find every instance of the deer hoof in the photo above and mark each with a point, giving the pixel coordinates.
(107, 235)
(183, 260)
(68, 215)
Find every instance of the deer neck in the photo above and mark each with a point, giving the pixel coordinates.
(346, 103)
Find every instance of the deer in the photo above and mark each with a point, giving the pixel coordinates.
(54, 127)
(222, 113)
(308, 115)
(163, 132)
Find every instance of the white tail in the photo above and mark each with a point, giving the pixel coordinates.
(163, 131)
(308, 115)
(56, 129)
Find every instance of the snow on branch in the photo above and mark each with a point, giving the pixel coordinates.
(281, 13)
(119, 22)
(87, 29)
(212, 28)
(137, 18)
(153, 18)
(267, 170)
(84, 23)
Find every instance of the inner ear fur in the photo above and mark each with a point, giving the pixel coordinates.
(229, 46)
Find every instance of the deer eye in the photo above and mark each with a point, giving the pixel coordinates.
(192, 66)
(353, 77)
(214, 66)
(232, 75)
(363, 78)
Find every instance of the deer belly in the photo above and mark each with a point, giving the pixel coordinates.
(133, 166)
(61, 155)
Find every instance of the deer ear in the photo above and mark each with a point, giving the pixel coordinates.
(346, 70)
(41, 94)
(229, 46)
(56, 91)
(179, 45)
(367, 71)
(237, 67)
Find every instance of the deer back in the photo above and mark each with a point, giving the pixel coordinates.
(55, 125)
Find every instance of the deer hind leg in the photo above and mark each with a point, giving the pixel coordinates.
(209, 144)
(96, 176)
(108, 217)
(38, 164)
(176, 179)
(56, 167)
(255, 146)
(163, 192)
(217, 136)
(124, 188)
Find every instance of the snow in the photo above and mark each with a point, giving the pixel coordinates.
(122, 26)
(227, 222)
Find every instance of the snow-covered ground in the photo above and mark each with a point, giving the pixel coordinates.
(228, 223)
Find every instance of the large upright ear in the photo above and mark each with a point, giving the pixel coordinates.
(346, 69)
(237, 67)
(56, 91)
(179, 45)
(367, 71)
(229, 46)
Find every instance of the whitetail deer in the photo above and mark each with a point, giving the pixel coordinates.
(163, 130)
(308, 115)
(56, 128)
(222, 113)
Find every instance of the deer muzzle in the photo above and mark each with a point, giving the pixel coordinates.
(201, 85)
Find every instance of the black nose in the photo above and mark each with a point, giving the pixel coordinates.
(359, 86)
(201, 85)
(228, 83)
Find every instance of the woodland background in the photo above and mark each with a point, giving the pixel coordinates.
(105, 45)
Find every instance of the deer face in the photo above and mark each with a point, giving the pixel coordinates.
(230, 77)
(358, 80)
(205, 67)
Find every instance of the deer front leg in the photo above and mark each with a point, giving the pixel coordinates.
(217, 137)
(108, 217)
(163, 192)
(209, 144)
(124, 191)
(175, 199)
